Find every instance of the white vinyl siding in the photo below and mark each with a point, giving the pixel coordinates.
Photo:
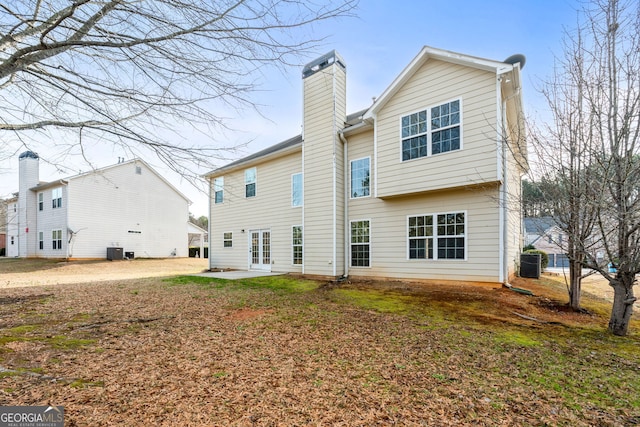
(434, 84)
(146, 204)
(240, 216)
(480, 205)
(324, 109)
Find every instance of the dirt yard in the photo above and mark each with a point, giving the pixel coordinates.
(115, 349)
(53, 272)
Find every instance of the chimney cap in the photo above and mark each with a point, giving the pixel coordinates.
(323, 62)
(29, 155)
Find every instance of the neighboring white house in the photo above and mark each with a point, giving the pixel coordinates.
(423, 184)
(127, 206)
(198, 238)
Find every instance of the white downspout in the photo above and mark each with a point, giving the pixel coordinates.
(502, 218)
(347, 179)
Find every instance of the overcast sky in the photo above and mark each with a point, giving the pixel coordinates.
(376, 46)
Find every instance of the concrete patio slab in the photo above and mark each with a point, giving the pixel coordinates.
(237, 274)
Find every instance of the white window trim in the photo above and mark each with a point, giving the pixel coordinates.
(225, 240)
(40, 201)
(429, 130)
(56, 202)
(351, 244)
(301, 190)
(293, 246)
(59, 248)
(41, 240)
(435, 237)
(350, 182)
(221, 178)
(255, 192)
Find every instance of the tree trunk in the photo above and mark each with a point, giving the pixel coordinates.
(623, 300)
(575, 282)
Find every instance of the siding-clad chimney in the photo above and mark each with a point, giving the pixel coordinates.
(323, 164)
(28, 169)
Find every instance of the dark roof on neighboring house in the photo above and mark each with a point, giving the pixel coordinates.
(538, 225)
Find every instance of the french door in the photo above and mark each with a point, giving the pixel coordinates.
(260, 250)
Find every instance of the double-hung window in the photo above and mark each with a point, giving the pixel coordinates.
(41, 240)
(250, 178)
(56, 197)
(431, 131)
(227, 240)
(437, 236)
(360, 244)
(218, 189)
(360, 177)
(56, 239)
(40, 201)
(296, 244)
(296, 190)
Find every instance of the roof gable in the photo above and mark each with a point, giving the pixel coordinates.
(65, 181)
(425, 55)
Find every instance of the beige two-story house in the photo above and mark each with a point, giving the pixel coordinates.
(422, 185)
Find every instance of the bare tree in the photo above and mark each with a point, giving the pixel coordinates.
(564, 147)
(593, 151)
(136, 74)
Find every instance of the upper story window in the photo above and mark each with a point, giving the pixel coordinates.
(360, 177)
(138, 170)
(218, 189)
(431, 131)
(250, 177)
(296, 190)
(40, 201)
(56, 197)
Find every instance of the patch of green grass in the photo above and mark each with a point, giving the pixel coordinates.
(67, 343)
(517, 338)
(22, 329)
(279, 284)
(371, 299)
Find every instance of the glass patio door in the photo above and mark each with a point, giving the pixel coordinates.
(260, 250)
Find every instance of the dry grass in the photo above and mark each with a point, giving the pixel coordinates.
(282, 352)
